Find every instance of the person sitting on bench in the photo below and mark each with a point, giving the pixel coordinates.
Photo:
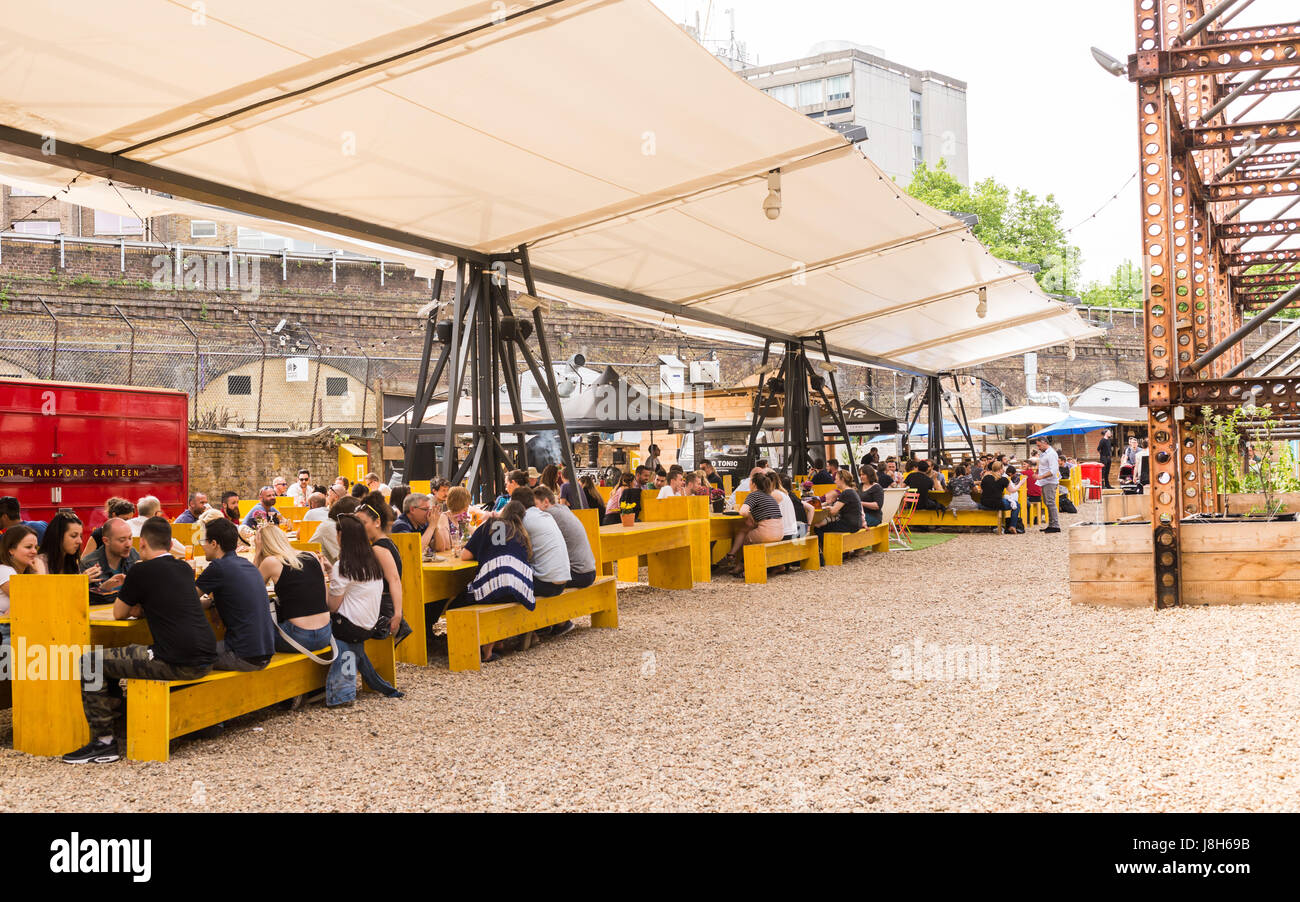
(299, 581)
(762, 521)
(821, 476)
(992, 490)
(550, 554)
(356, 587)
(582, 563)
(161, 589)
(921, 480)
(238, 590)
(846, 510)
(505, 576)
(873, 497)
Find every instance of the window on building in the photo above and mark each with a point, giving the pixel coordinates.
(837, 88)
(114, 224)
(810, 92)
(257, 239)
(918, 157)
(15, 191)
(37, 227)
(203, 228)
(787, 94)
(916, 111)
(336, 386)
(239, 385)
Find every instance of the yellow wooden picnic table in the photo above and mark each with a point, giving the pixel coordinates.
(666, 545)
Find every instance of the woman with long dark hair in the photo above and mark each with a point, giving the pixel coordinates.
(588, 484)
(61, 547)
(503, 551)
(356, 586)
(372, 512)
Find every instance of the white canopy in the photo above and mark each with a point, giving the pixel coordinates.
(1030, 415)
(631, 162)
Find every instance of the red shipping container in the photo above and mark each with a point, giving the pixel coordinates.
(67, 445)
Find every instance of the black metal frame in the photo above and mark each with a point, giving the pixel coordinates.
(486, 341)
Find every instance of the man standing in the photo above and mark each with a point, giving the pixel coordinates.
(301, 490)
(239, 592)
(1049, 479)
(161, 589)
(1105, 451)
(114, 558)
(198, 504)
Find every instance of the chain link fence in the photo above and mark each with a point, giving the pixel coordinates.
(244, 377)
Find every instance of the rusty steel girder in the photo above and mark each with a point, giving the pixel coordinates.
(1260, 279)
(1276, 131)
(1256, 258)
(1253, 188)
(1273, 86)
(1281, 393)
(1267, 229)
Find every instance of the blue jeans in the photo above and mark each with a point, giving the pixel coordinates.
(1014, 521)
(341, 683)
(872, 518)
(312, 640)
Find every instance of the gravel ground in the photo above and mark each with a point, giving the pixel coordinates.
(789, 696)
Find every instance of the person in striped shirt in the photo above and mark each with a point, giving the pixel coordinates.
(503, 551)
(762, 521)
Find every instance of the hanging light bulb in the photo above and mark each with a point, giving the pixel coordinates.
(982, 308)
(772, 203)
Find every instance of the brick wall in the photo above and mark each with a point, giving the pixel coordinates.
(245, 463)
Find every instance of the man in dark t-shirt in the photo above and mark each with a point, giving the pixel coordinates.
(821, 476)
(921, 480)
(161, 589)
(239, 592)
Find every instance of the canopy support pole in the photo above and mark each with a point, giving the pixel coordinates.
(837, 409)
(934, 414)
(756, 418)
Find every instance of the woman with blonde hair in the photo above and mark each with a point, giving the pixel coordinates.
(301, 613)
(453, 523)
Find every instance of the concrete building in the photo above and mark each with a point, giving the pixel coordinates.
(911, 116)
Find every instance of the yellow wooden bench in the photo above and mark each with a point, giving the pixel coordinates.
(758, 558)
(475, 625)
(836, 544)
(160, 710)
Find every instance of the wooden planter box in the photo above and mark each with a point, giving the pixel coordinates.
(1118, 507)
(1223, 563)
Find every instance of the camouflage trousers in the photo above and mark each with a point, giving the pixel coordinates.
(131, 662)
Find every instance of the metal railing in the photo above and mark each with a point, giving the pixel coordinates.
(243, 376)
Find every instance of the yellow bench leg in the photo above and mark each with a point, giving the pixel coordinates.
(462, 640)
(833, 548)
(883, 544)
(628, 570)
(755, 563)
(383, 657)
(608, 618)
(813, 560)
(148, 720)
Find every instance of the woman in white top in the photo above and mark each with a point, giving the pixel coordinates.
(355, 589)
(18, 554)
(790, 525)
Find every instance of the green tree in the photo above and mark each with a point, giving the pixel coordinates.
(1013, 225)
(1122, 289)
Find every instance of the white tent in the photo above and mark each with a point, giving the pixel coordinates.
(1113, 400)
(631, 163)
(1030, 415)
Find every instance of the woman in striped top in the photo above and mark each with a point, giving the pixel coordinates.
(505, 575)
(762, 521)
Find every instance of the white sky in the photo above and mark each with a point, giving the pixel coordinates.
(1041, 113)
